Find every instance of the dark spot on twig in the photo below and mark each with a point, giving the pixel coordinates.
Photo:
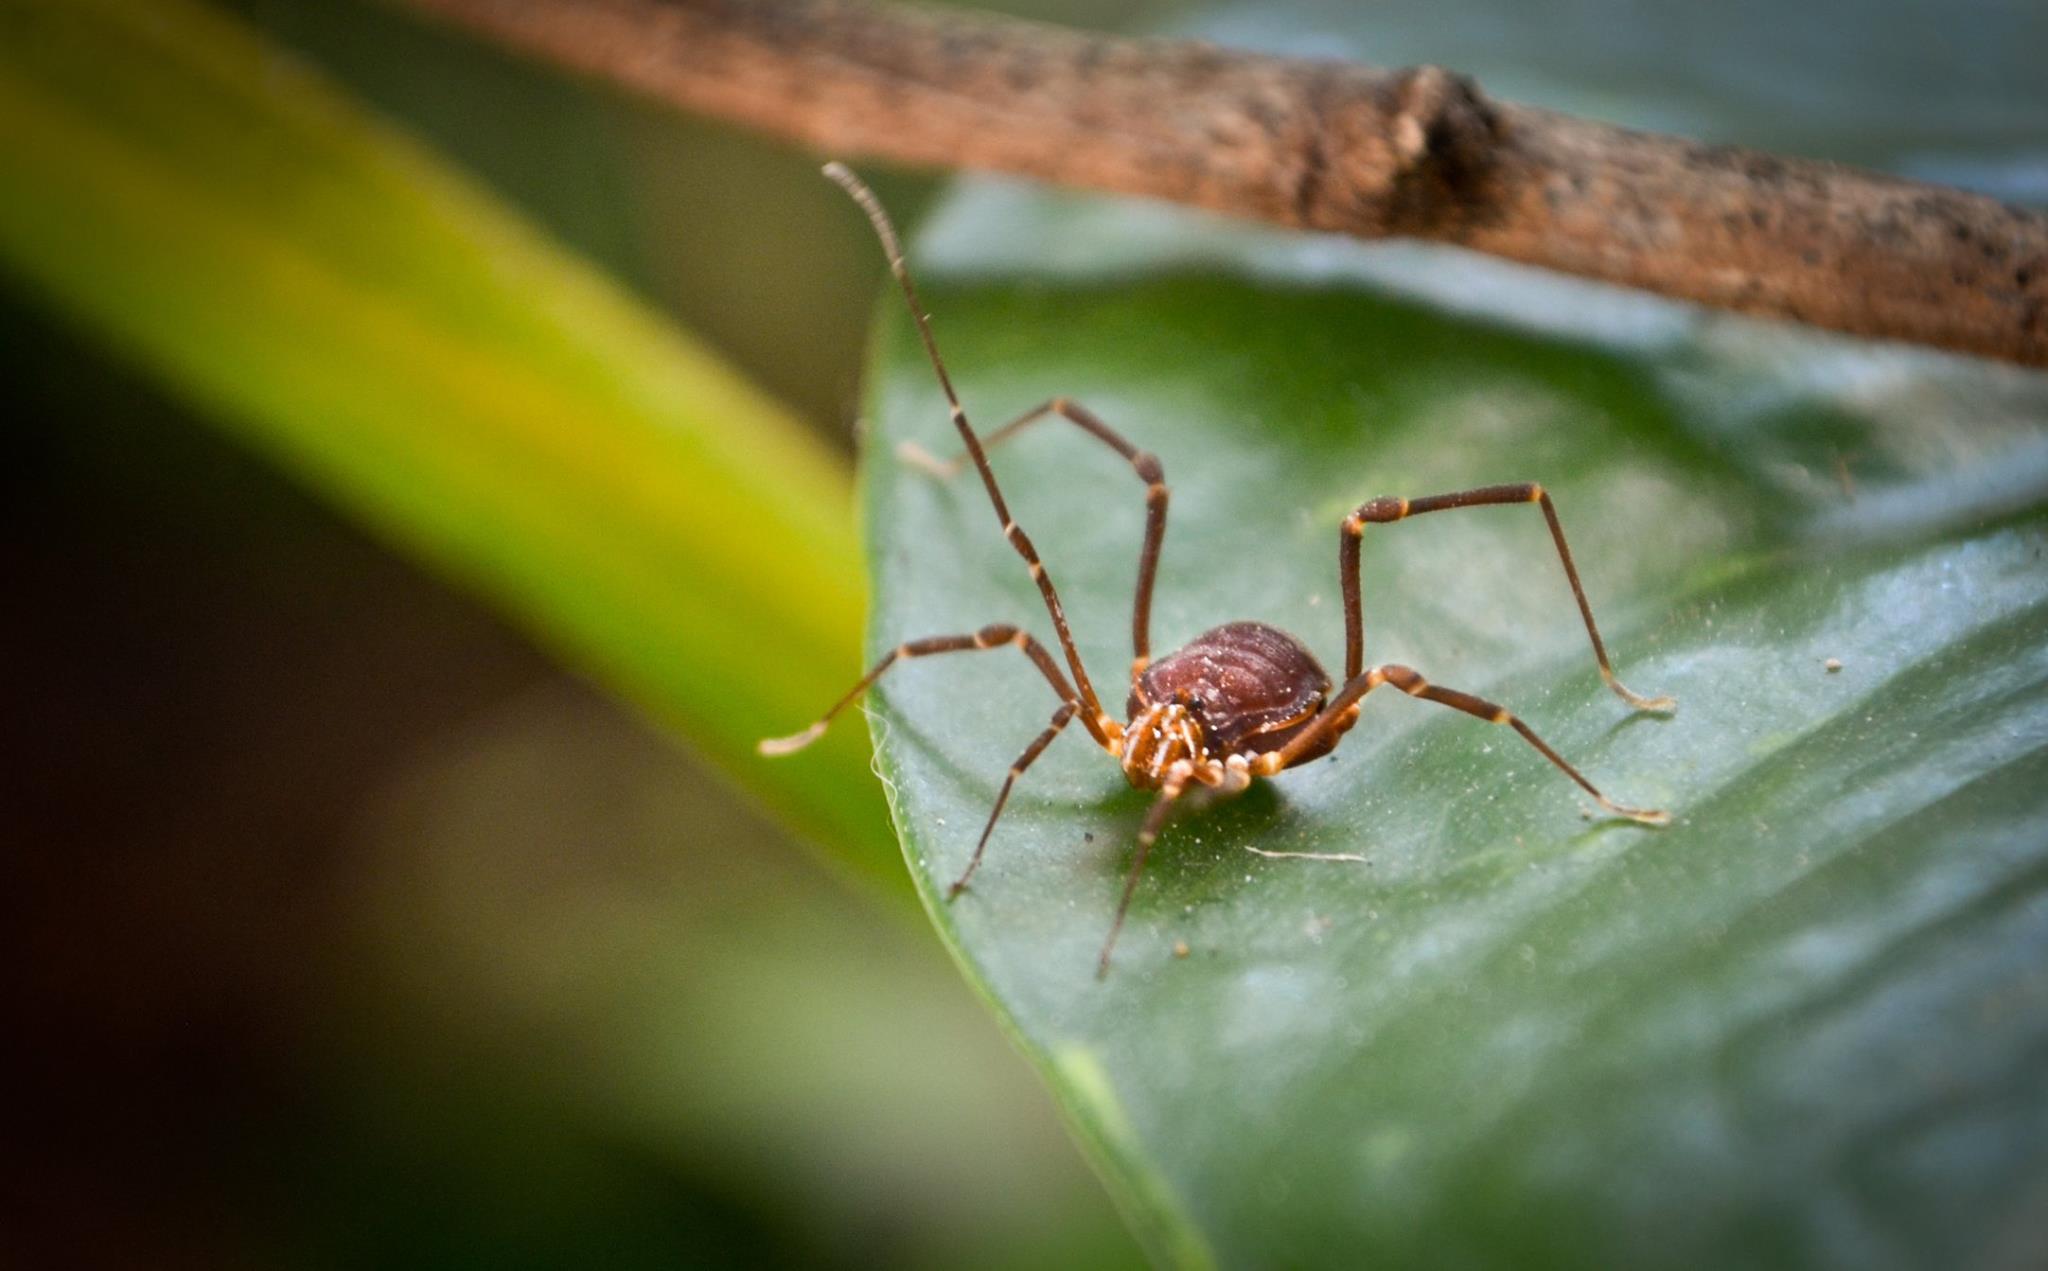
(1443, 133)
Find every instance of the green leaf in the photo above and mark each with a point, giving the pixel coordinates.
(347, 304)
(1805, 1024)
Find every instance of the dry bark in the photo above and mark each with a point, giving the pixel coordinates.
(1326, 145)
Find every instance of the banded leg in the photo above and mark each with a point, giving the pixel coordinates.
(1386, 510)
(1031, 753)
(1099, 724)
(1155, 820)
(1336, 717)
(996, 635)
(1344, 706)
(1142, 462)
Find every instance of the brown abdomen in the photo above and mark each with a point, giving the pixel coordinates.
(1252, 686)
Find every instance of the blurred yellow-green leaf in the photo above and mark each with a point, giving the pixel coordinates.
(348, 305)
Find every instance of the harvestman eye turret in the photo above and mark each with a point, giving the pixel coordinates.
(1241, 701)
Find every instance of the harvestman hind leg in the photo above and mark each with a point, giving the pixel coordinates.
(1143, 462)
(1343, 710)
(1386, 510)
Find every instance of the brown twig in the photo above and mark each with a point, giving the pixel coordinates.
(1328, 146)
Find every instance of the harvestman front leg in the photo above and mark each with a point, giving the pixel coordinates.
(1343, 710)
(1031, 752)
(1100, 726)
(1386, 510)
(1155, 820)
(1143, 462)
(996, 635)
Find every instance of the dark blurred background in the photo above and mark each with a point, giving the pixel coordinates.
(348, 930)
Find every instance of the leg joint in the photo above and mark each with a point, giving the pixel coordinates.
(1375, 512)
(1407, 679)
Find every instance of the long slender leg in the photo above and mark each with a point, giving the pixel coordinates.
(1414, 685)
(1338, 716)
(1099, 725)
(996, 635)
(1031, 752)
(1386, 510)
(1143, 462)
(1155, 820)
(1342, 707)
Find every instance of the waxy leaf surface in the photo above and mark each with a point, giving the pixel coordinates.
(1804, 1024)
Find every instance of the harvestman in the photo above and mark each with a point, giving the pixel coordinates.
(1241, 701)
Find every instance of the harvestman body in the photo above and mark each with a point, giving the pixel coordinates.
(1241, 701)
